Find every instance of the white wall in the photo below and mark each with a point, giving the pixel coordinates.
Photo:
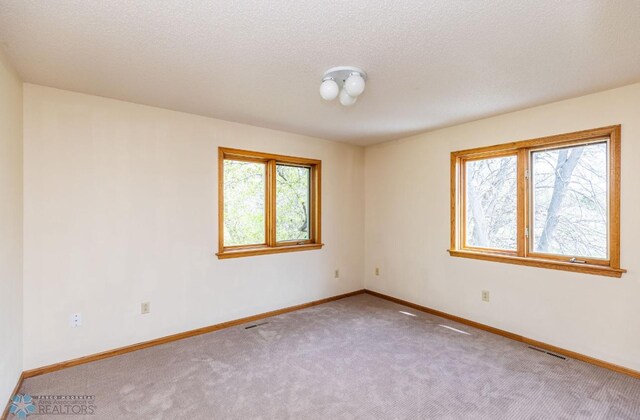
(407, 235)
(10, 230)
(121, 208)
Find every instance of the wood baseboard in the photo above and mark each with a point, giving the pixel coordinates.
(516, 337)
(134, 347)
(191, 333)
(5, 413)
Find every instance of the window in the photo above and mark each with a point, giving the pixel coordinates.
(570, 212)
(491, 203)
(267, 203)
(552, 202)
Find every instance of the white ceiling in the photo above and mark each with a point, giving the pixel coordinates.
(430, 63)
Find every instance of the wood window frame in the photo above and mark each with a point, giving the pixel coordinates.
(271, 245)
(524, 255)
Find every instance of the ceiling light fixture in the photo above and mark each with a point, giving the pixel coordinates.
(344, 82)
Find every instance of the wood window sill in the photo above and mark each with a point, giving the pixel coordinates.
(541, 263)
(248, 252)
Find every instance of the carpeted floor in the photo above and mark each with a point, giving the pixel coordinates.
(356, 358)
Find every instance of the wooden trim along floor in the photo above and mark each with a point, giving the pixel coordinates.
(516, 337)
(179, 336)
(127, 349)
(139, 346)
(5, 413)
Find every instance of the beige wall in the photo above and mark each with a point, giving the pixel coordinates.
(407, 235)
(10, 230)
(121, 208)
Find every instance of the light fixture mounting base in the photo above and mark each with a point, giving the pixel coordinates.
(341, 73)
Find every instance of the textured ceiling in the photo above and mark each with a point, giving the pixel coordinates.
(430, 64)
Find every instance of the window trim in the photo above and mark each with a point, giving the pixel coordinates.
(271, 246)
(523, 255)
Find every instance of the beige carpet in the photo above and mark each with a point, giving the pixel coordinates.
(356, 358)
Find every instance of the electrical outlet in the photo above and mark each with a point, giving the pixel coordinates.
(145, 307)
(76, 320)
(485, 295)
(377, 271)
(336, 274)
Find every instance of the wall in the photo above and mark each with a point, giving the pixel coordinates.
(121, 208)
(407, 235)
(10, 230)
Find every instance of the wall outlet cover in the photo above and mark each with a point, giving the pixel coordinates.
(485, 295)
(75, 320)
(145, 307)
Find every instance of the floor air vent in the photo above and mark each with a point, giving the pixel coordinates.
(255, 325)
(548, 352)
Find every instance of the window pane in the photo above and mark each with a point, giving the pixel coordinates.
(292, 202)
(244, 203)
(570, 201)
(491, 203)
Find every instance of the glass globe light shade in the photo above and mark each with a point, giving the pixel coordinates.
(354, 85)
(329, 90)
(346, 99)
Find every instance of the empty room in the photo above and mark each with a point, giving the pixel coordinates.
(319, 210)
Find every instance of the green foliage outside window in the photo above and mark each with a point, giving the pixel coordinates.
(292, 203)
(244, 203)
